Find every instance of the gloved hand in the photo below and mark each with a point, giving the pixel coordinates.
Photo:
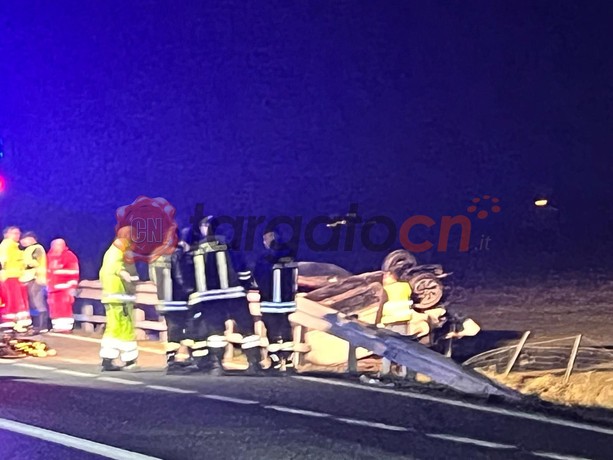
(125, 276)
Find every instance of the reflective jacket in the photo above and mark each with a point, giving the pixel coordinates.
(276, 277)
(215, 275)
(174, 278)
(114, 288)
(62, 270)
(35, 260)
(398, 306)
(11, 260)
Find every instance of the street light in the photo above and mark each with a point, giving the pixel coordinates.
(541, 202)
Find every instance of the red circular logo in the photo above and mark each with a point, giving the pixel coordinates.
(153, 229)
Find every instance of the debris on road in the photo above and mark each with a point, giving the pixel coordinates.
(12, 346)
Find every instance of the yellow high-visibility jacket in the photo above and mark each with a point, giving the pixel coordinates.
(11, 259)
(113, 286)
(398, 306)
(37, 265)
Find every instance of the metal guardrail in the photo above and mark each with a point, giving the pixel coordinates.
(146, 296)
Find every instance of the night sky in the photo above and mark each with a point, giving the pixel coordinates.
(301, 108)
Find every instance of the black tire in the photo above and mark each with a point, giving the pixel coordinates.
(399, 260)
(427, 290)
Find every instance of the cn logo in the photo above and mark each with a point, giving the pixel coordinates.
(481, 204)
(153, 229)
(481, 207)
(147, 229)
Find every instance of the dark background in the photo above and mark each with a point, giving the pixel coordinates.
(301, 108)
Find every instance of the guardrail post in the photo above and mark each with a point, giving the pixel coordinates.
(517, 352)
(297, 336)
(87, 311)
(573, 357)
(352, 362)
(163, 334)
(352, 359)
(228, 355)
(139, 316)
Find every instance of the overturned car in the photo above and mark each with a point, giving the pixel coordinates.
(327, 289)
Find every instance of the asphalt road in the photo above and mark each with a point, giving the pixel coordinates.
(18, 447)
(198, 417)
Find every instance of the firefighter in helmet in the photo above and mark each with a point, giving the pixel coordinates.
(276, 276)
(220, 303)
(174, 278)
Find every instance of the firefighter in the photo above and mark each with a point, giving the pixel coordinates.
(118, 297)
(35, 281)
(220, 303)
(63, 279)
(276, 277)
(174, 277)
(15, 312)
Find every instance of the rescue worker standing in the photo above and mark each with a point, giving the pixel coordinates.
(15, 312)
(395, 314)
(35, 280)
(276, 277)
(63, 279)
(118, 297)
(220, 303)
(174, 278)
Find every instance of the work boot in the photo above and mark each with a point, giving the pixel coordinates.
(288, 362)
(109, 366)
(174, 367)
(275, 363)
(31, 333)
(177, 368)
(211, 364)
(253, 358)
(130, 366)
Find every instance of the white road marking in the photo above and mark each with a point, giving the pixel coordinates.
(171, 389)
(350, 421)
(122, 381)
(35, 366)
(75, 373)
(383, 426)
(72, 441)
(467, 405)
(297, 411)
(555, 456)
(120, 454)
(475, 442)
(94, 340)
(72, 360)
(74, 337)
(228, 399)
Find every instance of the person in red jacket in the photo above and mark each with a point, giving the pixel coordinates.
(62, 280)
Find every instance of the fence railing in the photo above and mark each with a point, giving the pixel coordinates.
(148, 323)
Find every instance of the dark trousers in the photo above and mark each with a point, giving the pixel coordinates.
(209, 318)
(179, 325)
(278, 327)
(38, 305)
